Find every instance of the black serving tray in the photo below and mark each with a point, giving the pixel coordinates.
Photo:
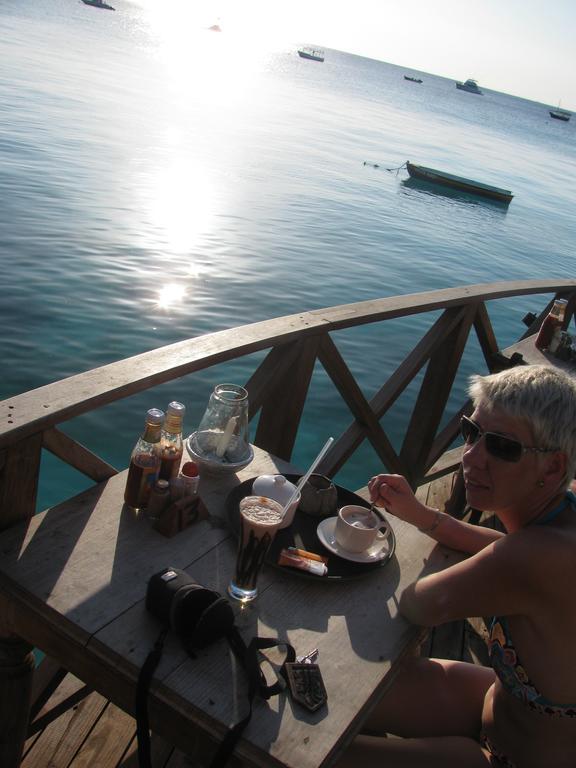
(302, 534)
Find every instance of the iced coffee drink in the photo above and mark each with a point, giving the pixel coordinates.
(260, 518)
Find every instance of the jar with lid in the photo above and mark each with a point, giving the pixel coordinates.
(222, 436)
(171, 445)
(553, 320)
(144, 462)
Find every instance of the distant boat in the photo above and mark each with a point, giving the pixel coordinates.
(458, 182)
(412, 79)
(560, 114)
(470, 85)
(314, 54)
(99, 4)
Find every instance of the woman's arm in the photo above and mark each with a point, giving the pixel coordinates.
(394, 493)
(504, 578)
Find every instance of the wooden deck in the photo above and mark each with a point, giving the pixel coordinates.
(76, 728)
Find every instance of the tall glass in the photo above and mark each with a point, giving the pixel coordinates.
(260, 518)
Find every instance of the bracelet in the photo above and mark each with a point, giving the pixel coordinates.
(435, 524)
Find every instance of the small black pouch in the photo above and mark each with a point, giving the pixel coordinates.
(198, 615)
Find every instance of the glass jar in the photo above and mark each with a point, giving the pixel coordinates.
(223, 431)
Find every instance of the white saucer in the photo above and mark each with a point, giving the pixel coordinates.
(327, 534)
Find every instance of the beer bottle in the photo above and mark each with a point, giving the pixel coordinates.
(171, 441)
(144, 462)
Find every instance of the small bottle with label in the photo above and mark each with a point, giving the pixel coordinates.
(171, 445)
(553, 320)
(144, 462)
(159, 499)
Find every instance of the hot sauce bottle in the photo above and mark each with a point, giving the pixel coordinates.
(171, 445)
(144, 462)
(553, 320)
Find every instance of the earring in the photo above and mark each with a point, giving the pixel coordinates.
(540, 483)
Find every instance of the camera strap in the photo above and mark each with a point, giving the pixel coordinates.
(249, 658)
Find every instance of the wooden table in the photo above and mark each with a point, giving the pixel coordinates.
(73, 581)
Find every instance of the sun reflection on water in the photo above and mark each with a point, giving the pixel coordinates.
(171, 295)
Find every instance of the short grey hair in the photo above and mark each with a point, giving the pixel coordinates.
(542, 396)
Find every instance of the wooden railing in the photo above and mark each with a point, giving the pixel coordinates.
(278, 388)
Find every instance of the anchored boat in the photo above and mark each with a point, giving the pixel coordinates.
(99, 4)
(470, 85)
(560, 114)
(458, 182)
(314, 54)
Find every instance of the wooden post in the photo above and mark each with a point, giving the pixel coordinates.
(19, 481)
(16, 674)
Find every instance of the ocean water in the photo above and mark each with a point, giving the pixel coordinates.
(160, 181)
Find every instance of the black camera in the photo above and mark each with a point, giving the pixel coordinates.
(198, 615)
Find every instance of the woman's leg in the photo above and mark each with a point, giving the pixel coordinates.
(433, 697)
(440, 752)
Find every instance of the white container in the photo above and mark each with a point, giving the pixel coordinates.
(278, 488)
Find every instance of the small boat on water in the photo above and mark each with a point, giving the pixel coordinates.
(412, 79)
(99, 4)
(458, 182)
(469, 85)
(314, 54)
(560, 114)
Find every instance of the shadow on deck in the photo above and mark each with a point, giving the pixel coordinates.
(76, 728)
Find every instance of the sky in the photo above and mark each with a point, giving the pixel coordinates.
(522, 47)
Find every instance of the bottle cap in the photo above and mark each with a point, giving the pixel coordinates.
(155, 416)
(189, 469)
(176, 409)
(162, 485)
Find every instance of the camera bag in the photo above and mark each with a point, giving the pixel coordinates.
(199, 616)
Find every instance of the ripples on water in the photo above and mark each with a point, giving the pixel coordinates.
(160, 181)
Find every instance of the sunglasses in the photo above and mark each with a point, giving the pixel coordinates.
(499, 446)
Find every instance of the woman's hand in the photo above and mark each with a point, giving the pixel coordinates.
(394, 493)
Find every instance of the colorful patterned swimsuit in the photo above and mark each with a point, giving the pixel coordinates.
(507, 665)
(504, 658)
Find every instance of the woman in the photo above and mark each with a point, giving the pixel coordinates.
(519, 458)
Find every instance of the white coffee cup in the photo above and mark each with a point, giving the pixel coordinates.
(357, 528)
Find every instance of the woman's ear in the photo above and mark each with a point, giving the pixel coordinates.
(555, 467)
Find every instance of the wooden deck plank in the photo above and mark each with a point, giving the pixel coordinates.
(109, 740)
(59, 742)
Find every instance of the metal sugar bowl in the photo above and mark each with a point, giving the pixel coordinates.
(220, 444)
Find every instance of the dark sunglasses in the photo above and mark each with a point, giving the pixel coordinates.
(499, 446)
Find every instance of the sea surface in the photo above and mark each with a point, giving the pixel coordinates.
(160, 180)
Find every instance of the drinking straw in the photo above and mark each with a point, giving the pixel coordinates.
(305, 477)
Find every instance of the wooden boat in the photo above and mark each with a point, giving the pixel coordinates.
(469, 85)
(560, 114)
(314, 54)
(458, 182)
(455, 321)
(412, 79)
(99, 4)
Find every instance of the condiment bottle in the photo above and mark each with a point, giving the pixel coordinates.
(159, 499)
(171, 445)
(144, 462)
(553, 320)
(190, 478)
